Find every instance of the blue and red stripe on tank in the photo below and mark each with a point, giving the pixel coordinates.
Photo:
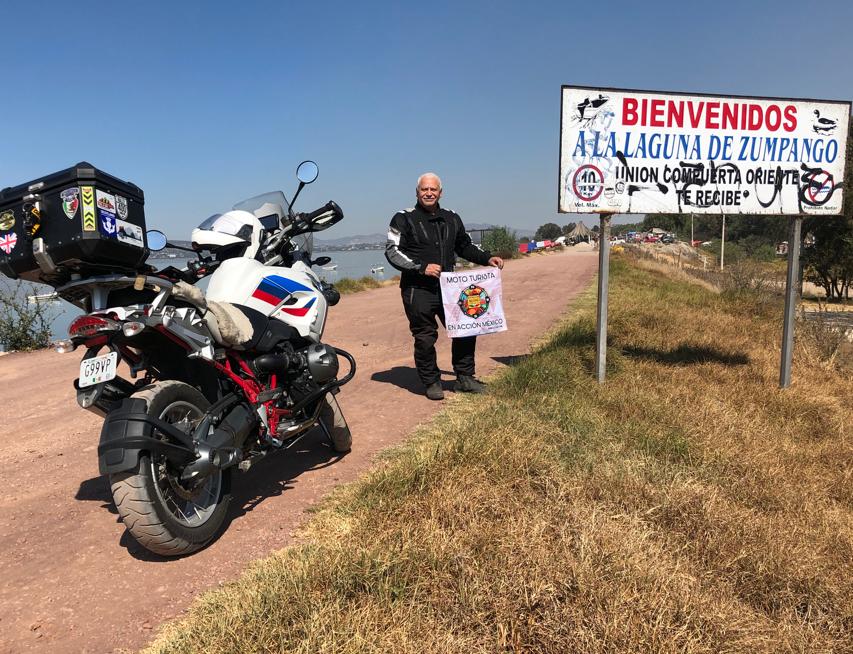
(275, 288)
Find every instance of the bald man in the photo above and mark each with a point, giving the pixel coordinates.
(422, 243)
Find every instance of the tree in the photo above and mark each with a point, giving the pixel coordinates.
(548, 232)
(670, 222)
(567, 229)
(501, 242)
(829, 262)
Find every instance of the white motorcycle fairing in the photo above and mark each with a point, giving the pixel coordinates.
(291, 295)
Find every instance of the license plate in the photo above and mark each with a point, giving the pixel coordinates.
(98, 369)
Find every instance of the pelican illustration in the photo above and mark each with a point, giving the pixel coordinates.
(823, 125)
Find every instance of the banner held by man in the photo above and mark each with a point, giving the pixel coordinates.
(473, 302)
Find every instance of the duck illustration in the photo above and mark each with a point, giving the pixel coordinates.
(823, 125)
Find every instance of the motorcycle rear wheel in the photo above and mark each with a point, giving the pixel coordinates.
(163, 514)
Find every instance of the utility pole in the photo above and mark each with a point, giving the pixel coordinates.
(723, 245)
(691, 229)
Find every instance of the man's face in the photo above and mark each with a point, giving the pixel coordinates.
(428, 192)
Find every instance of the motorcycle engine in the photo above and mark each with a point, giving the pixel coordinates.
(322, 362)
(302, 372)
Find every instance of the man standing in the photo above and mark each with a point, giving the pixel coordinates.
(422, 243)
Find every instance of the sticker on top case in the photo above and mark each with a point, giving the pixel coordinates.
(70, 201)
(7, 220)
(121, 207)
(107, 223)
(106, 201)
(8, 242)
(129, 233)
(90, 221)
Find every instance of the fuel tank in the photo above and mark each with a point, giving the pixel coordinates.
(291, 295)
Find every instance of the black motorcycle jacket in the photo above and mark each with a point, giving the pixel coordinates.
(417, 238)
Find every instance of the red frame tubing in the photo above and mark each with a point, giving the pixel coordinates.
(251, 387)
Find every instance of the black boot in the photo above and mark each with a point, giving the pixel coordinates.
(467, 384)
(434, 392)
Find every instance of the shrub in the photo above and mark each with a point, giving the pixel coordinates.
(501, 242)
(23, 325)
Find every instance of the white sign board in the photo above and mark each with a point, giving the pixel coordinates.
(473, 302)
(627, 151)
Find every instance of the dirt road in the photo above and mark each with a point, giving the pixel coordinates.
(74, 581)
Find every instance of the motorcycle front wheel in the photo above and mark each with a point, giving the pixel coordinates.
(165, 515)
(335, 425)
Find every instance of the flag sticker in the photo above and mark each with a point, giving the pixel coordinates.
(8, 242)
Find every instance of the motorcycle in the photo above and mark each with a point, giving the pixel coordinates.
(218, 379)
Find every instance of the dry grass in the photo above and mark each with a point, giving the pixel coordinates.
(348, 285)
(687, 505)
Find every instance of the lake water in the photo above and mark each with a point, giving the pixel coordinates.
(353, 264)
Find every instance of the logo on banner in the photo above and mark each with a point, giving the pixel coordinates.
(474, 301)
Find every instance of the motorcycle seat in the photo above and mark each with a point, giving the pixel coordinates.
(240, 327)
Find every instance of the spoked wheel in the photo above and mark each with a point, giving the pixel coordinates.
(166, 515)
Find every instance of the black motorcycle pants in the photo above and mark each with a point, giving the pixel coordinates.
(422, 307)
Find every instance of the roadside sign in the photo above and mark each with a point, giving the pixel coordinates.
(626, 151)
(652, 152)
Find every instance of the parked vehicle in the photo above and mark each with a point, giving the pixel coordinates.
(667, 238)
(651, 238)
(217, 379)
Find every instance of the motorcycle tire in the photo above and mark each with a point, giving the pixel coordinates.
(335, 425)
(160, 512)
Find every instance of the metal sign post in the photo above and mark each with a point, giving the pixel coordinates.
(603, 279)
(791, 292)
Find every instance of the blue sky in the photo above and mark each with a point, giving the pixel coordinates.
(205, 103)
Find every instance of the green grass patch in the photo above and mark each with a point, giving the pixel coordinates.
(687, 505)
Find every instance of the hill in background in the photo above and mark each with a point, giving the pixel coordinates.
(378, 239)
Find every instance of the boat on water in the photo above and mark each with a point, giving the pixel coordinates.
(331, 266)
(378, 268)
(43, 297)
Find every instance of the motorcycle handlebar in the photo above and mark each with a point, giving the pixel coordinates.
(330, 207)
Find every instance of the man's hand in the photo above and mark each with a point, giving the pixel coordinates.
(433, 270)
(497, 262)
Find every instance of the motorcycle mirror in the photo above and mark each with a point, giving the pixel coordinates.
(307, 171)
(321, 261)
(156, 240)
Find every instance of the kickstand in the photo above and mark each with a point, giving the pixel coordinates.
(325, 430)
